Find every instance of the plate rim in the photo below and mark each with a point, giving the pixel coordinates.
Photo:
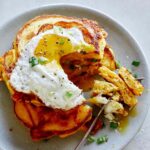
(111, 19)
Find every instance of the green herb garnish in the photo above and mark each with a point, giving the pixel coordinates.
(136, 63)
(33, 61)
(42, 61)
(102, 139)
(99, 140)
(70, 33)
(69, 94)
(91, 139)
(113, 125)
(135, 75)
(118, 64)
(61, 41)
(58, 30)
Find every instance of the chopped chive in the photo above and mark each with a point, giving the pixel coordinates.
(91, 139)
(68, 94)
(118, 64)
(136, 63)
(113, 125)
(61, 41)
(70, 33)
(135, 75)
(33, 61)
(60, 29)
(42, 61)
(102, 139)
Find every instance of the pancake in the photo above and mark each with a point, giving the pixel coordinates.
(45, 122)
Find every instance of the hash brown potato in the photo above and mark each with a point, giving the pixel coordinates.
(128, 97)
(134, 85)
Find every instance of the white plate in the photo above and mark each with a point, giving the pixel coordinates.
(126, 50)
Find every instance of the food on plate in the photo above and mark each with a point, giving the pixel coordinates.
(53, 61)
(135, 86)
(104, 87)
(128, 97)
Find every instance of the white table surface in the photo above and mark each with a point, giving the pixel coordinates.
(133, 14)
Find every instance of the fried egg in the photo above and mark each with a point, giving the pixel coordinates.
(38, 70)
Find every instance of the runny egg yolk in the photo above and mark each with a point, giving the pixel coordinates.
(53, 47)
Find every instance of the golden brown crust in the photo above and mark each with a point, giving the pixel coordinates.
(7, 64)
(134, 85)
(45, 122)
(25, 32)
(103, 87)
(45, 27)
(128, 97)
(109, 59)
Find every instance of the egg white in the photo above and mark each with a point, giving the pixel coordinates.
(49, 82)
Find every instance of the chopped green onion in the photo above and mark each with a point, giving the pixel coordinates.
(102, 139)
(118, 64)
(113, 125)
(61, 41)
(42, 61)
(135, 75)
(70, 33)
(91, 139)
(136, 63)
(58, 29)
(33, 61)
(68, 94)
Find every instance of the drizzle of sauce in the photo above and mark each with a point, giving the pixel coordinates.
(124, 122)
